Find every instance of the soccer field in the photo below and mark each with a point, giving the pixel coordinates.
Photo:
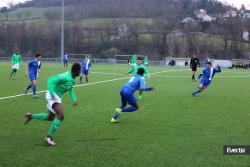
(171, 129)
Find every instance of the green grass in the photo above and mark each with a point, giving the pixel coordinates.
(171, 128)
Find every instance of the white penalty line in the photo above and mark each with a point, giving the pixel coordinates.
(88, 84)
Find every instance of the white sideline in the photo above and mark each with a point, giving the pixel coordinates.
(88, 84)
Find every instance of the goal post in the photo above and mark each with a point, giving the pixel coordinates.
(179, 62)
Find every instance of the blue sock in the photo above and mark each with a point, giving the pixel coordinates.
(129, 109)
(197, 91)
(116, 115)
(81, 79)
(34, 90)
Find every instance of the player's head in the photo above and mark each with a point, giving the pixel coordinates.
(139, 61)
(209, 64)
(140, 71)
(86, 57)
(38, 56)
(16, 50)
(76, 70)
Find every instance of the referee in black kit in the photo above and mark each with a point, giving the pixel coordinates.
(193, 65)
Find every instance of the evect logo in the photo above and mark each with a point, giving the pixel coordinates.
(236, 150)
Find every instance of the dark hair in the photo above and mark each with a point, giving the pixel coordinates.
(139, 58)
(209, 63)
(75, 67)
(38, 55)
(140, 71)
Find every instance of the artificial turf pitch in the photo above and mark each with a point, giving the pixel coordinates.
(171, 129)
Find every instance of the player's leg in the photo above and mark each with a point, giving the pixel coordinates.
(119, 110)
(201, 87)
(133, 102)
(86, 78)
(42, 117)
(193, 75)
(13, 75)
(86, 75)
(28, 87)
(140, 95)
(81, 78)
(66, 64)
(34, 88)
(57, 107)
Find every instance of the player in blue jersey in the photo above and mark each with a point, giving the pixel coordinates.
(127, 94)
(32, 69)
(207, 76)
(86, 64)
(65, 61)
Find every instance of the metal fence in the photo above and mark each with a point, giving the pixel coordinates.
(73, 60)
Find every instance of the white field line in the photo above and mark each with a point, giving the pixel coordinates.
(88, 84)
(185, 76)
(105, 73)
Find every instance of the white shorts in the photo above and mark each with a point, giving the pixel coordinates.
(134, 64)
(51, 101)
(146, 63)
(15, 67)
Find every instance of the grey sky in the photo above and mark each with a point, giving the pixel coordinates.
(236, 3)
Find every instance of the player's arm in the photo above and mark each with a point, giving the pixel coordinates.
(73, 96)
(217, 69)
(143, 87)
(191, 63)
(201, 74)
(130, 71)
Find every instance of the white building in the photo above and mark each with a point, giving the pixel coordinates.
(208, 18)
(200, 13)
(187, 20)
(246, 35)
(230, 13)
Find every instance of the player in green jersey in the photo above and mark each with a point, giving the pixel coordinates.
(57, 86)
(139, 64)
(133, 60)
(16, 62)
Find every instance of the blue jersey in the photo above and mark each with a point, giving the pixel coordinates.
(33, 67)
(65, 58)
(135, 83)
(208, 73)
(86, 64)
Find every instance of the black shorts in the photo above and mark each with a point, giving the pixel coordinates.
(194, 68)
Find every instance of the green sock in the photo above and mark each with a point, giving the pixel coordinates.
(14, 74)
(42, 116)
(11, 74)
(54, 126)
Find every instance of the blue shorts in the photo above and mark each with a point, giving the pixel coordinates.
(205, 83)
(32, 77)
(85, 72)
(127, 97)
